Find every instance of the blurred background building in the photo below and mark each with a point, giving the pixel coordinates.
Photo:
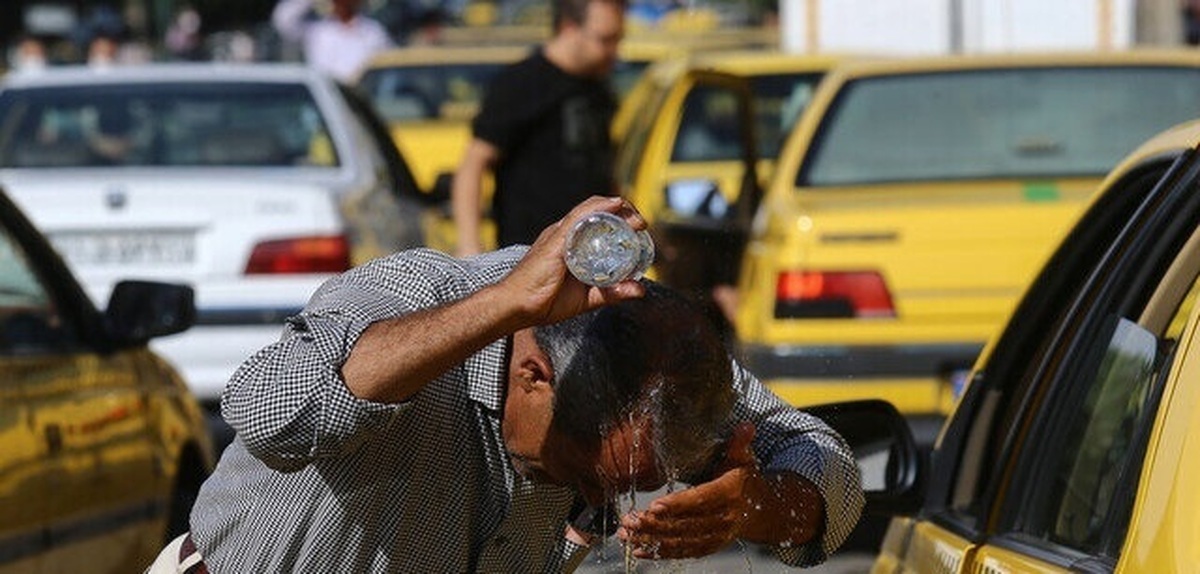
(240, 29)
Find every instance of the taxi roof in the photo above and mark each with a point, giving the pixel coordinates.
(744, 63)
(756, 62)
(864, 67)
(434, 55)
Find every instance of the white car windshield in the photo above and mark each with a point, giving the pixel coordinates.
(170, 124)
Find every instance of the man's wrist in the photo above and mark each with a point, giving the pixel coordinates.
(592, 522)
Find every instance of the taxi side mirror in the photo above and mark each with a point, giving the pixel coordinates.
(887, 455)
(690, 198)
(142, 310)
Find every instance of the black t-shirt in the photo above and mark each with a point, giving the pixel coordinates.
(552, 130)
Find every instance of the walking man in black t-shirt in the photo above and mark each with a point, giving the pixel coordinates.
(543, 130)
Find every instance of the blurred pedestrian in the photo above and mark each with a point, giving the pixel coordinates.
(1190, 13)
(105, 40)
(102, 50)
(429, 28)
(29, 55)
(339, 43)
(183, 38)
(543, 129)
(431, 414)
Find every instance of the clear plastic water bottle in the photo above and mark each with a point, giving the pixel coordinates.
(603, 250)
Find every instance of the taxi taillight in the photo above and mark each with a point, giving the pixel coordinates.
(321, 254)
(811, 294)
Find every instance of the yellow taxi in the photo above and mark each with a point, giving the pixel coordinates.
(104, 448)
(1076, 444)
(644, 46)
(690, 125)
(916, 198)
(428, 96)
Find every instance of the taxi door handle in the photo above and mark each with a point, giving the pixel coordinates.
(54, 438)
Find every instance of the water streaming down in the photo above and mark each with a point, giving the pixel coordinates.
(650, 410)
(630, 561)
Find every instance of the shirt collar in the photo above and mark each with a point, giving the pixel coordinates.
(487, 374)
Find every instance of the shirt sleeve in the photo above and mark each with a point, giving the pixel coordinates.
(790, 440)
(492, 124)
(288, 402)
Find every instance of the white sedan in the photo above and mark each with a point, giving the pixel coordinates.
(253, 183)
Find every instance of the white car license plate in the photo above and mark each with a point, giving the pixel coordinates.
(126, 247)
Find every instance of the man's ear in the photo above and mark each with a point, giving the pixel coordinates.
(536, 369)
(533, 370)
(531, 365)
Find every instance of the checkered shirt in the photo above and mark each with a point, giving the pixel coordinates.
(321, 481)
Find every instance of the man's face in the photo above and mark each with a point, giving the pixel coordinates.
(346, 9)
(596, 39)
(623, 462)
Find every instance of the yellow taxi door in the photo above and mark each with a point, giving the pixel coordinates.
(686, 150)
(26, 484)
(1073, 448)
(934, 550)
(93, 417)
(1162, 534)
(684, 162)
(74, 429)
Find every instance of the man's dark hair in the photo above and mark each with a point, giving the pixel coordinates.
(574, 11)
(657, 356)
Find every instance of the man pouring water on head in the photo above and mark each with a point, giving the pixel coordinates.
(431, 414)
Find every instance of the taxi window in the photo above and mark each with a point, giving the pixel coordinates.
(407, 93)
(778, 101)
(626, 75)
(632, 149)
(29, 320)
(1077, 464)
(1005, 392)
(1018, 123)
(243, 124)
(1101, 438)
(709, 129)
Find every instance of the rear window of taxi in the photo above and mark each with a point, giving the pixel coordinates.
(995, 124)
